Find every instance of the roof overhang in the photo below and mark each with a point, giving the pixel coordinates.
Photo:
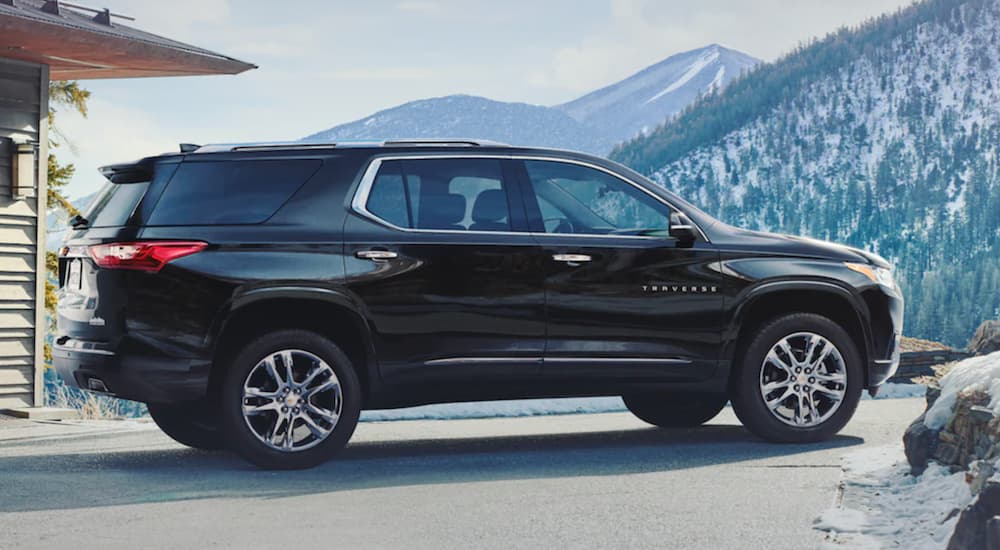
(76, 46)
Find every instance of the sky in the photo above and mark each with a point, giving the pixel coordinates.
(327, 62)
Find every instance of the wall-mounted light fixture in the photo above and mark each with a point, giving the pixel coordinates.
(25, 182)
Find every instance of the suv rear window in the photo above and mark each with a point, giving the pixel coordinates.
(230, 191)
(114, 203)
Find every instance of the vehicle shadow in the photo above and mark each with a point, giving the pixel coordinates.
(65, 481)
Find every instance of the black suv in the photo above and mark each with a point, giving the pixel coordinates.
(260, 296)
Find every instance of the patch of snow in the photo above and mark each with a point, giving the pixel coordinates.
(499, 409)
(977, 374)
(717, 81)
(886, 507)
(691, 72)
(893, 390)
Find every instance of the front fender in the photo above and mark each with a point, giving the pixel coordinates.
(789, 285)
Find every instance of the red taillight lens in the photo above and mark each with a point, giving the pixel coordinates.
(142, 256)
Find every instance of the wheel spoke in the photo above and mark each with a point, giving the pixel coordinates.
(315, 371)
(325, 414)
(325, 386)
(272, 371)
(776, 402)
(814, 340)
(773, 358)
(813, 411)
(800, 409)
(286, 360)
(788, 351)
(260, 409)
(317, 430)
(837, 377)
(822, 357)
(771, 386)
(836, 395)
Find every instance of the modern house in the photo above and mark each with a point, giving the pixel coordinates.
(42, 41)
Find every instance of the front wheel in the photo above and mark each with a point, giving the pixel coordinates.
(675, 410)
(291, 399)
(800, 380)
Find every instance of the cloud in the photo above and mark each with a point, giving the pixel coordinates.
(419, 6)
(383, 73)
(639, 33)
(111, 133)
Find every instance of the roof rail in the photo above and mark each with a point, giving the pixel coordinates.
(441, 142)
(284, 146)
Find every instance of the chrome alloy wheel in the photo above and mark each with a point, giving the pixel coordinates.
(803, 379)
(292, 400)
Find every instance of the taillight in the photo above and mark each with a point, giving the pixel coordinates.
(142, 256)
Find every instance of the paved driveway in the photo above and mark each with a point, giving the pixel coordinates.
(576, 481)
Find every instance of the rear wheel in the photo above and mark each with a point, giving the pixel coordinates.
(191, 424)
(800, 380)
(291, 399)
(675, 410)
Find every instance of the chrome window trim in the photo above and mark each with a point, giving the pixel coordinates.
(361, 194)
(558, 359)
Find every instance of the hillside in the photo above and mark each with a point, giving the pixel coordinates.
(884, 137)
(593, 123)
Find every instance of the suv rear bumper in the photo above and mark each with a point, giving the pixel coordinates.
(143, 376)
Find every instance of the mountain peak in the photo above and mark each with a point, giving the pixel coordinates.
(593, 123)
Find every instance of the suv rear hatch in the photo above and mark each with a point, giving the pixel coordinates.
(92, 299)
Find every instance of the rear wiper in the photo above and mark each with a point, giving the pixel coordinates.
(79, 222)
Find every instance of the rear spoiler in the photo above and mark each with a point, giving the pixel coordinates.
(132, 172)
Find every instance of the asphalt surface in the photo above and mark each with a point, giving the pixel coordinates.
(575, 481)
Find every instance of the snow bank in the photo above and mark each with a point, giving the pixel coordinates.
(977, 374)
(885, 507)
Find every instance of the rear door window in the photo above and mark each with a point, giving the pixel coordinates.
(441, 194)
(230, 192)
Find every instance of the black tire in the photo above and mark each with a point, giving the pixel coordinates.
(191, 424)
(749, 403)
(242, 438)
(675, 410)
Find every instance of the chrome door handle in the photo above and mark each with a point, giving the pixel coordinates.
(572, 259)
(376, 255)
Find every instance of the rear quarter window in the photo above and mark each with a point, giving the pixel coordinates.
(114, 203)
(231, 191)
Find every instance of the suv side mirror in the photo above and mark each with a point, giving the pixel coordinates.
(682, 229)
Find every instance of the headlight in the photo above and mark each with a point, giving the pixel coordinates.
(878, 275)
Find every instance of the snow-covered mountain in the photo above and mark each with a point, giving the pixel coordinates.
(648, 98)
(593, 123)
(885, 137)
(465, 116)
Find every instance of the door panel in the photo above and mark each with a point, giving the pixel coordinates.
(640, 308)
(624, 300)
(453, 290)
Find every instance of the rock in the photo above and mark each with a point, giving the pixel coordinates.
(931, 395)
(986, 339)
(977, 518)
(979, 473)
(946, 453)
(919, 442)
(980, 413)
